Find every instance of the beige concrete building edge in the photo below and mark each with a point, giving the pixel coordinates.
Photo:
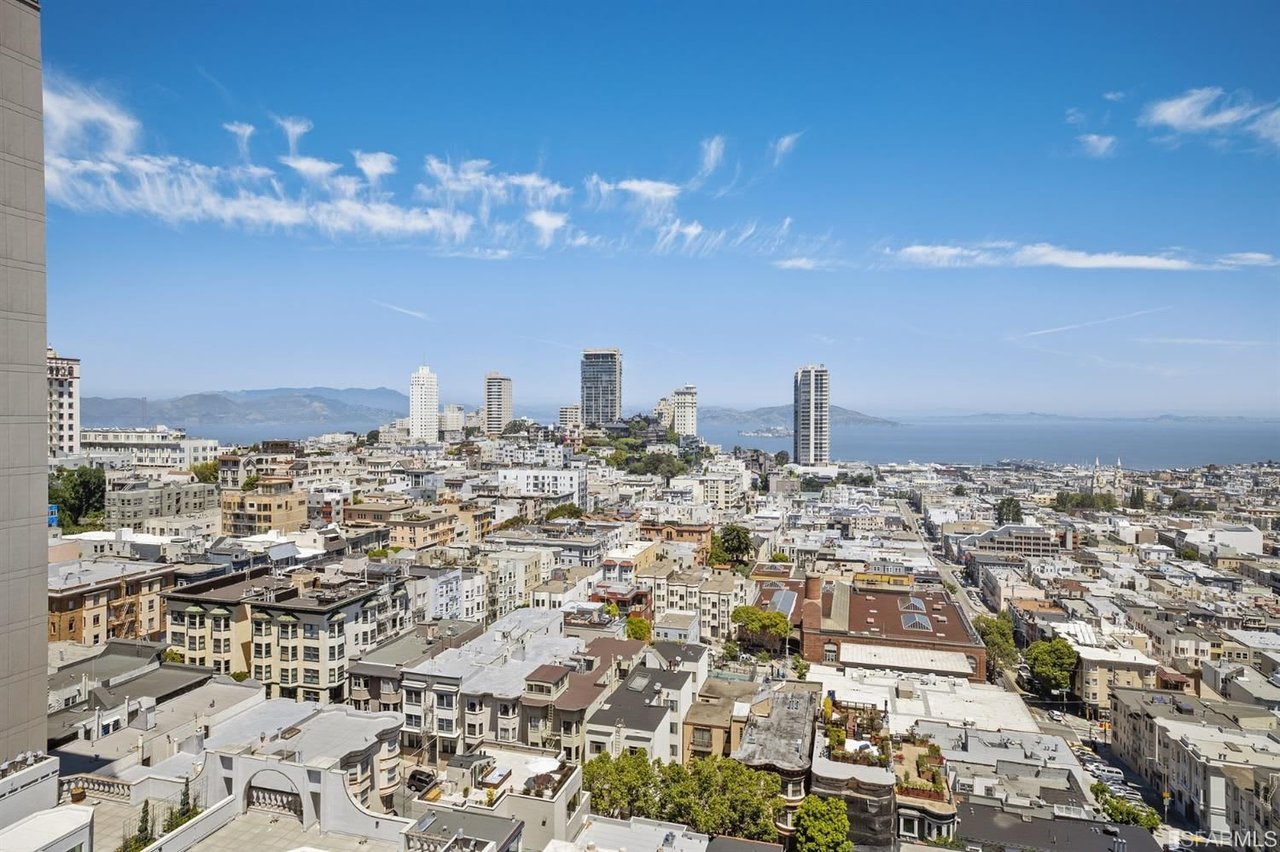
(23, 385)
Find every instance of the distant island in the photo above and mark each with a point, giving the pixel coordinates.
(774, 418)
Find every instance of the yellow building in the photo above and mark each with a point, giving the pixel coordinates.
(272, 505)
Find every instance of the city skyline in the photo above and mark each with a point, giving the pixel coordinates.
(1106, 232)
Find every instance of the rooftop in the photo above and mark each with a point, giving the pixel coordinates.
(782, 739)
(77, 573)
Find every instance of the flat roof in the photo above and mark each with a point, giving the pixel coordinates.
(76, 573)
(905, 659)
(783, 738)
(43, 827)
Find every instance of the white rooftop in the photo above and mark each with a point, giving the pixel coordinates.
(907, 659)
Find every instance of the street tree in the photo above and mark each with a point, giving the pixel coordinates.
(1052, 663)
(1008, 511)
(822, 825)
(737, 542)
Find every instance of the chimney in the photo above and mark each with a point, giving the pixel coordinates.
(812, 587)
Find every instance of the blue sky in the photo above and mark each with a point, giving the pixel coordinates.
(955, 207)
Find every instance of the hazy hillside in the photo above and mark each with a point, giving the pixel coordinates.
(780, 415)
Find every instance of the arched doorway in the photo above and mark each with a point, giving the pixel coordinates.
(271, 791)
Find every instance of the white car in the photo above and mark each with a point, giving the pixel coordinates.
(1056, 715)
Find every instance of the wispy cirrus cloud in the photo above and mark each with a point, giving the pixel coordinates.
(547, 223)
(241, 131)
(1114, 96)
(1089, 323)
(1212, 111)
(712, 158)
(1010, 254)
(406, 311)
(1075, 115)
(784, 145)
(802, 264)
(1097, 145)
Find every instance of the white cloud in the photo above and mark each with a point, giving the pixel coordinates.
(1075, 116)
(312, 168)
(374, 165)
(546, 223)
(783, 146)
(1113, 96)
(1035, 254)
(1096, 145)
(242, 132)
(475, 182)
(712, 157)
(294, 129)
(1211, 110)
(1249, 258)
(805, 264)
(78, 120)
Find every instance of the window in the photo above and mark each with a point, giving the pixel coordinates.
(311, 654)
(444, 701)
(444, 726)
(829, 652)
(357, 681)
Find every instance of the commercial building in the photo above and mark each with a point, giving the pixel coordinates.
(64, 404)
(684, 411)
(424, 406)
(601, 386)
(497, 403)
(24, 416)
(812, 416)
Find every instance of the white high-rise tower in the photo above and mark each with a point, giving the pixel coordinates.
(812, 415)
(684, 404)
(424, 406)
(497, 403)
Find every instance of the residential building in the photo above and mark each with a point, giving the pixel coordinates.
(24, 415)
(664, 412)
(424, 406)
(778, 738)
(64, 404)
(151, 451)
(294, 636)
(134, 501)
(812, 416)
(497, 403)
(643, 714)
(94, 600)
(570, 485)
(601, 386)
(272, 505)
(453, 422)
(570, 417)
(684, 410)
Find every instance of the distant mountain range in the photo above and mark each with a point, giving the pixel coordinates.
(779, 416)
(247, 415)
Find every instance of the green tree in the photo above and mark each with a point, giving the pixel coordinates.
(611, 609)
(716, 554)
(1052, 663)
(960, 491)
(731, 650)
(737, 542)
(1138, 498)
(372, 436)
(779, 557)
(77, 492)
(822, 825)
(765, 627)
(173, 655)
(638, 628)
(801, 667)
(781, 457)
(997, 635)
(250, 482)
(206, 472)
(622, 787)
(516, 427)
(567, 510)
(1008, 511)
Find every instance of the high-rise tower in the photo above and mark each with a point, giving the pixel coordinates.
(497, 403)
(812, 415)
(24, 412)
(601, 386)
(424, 406)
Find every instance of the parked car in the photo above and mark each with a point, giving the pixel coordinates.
(421, 780)
(1056, 715)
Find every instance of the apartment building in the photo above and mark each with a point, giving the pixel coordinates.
(151, 451)
(1189, 747)
(93, 600)
(1016, 539)
(64, 404)
(712, 594)
(497, 403)
(292, 634)
(131, 502)
(601, 386)
(812, 416)
(644, 713)
(272, 505)
(1101, 669)
(698, 535)
(570, 417)
(447, 592)
(568, 485)
(510, 577)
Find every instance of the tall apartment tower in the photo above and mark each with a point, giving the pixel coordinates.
(64, 404)
(601, 386)
(570, 417)
(424, 406)
(24, 416)
(684, 406)
(497, 403)
(812, 415)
